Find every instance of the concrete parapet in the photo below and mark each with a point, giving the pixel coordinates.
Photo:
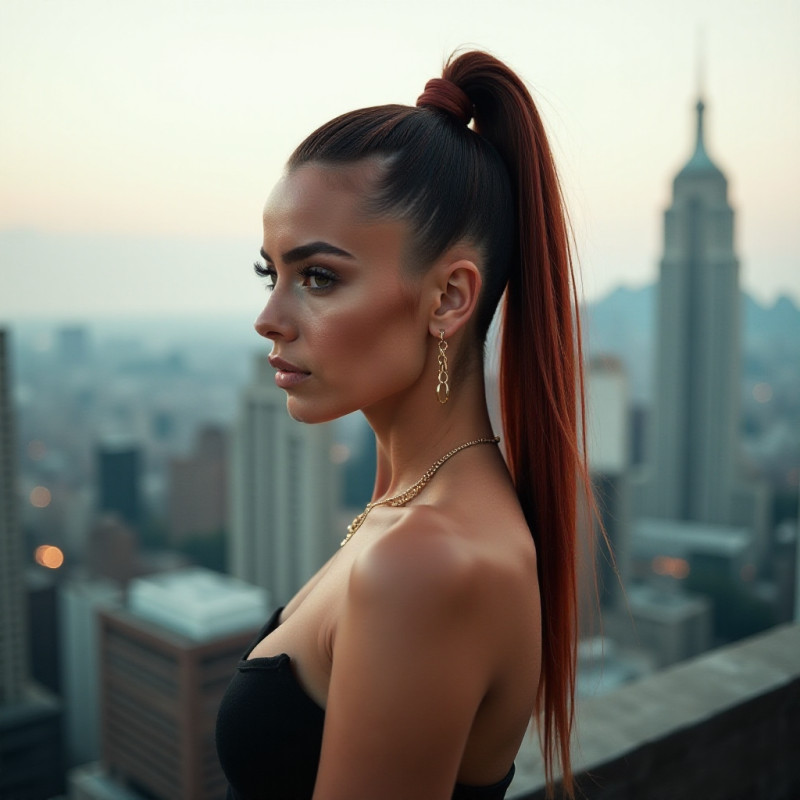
(722, 726)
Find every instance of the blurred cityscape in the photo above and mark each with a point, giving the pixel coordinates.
(156, 503)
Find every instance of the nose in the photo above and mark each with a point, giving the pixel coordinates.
(274, 321)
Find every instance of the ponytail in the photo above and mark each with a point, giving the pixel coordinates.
(496, 186)
(540, 366)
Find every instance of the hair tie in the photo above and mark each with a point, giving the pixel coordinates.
(446, 96)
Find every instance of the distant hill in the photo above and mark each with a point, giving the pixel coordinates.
(623, 323)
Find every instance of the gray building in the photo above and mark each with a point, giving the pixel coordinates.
(119, 480)
(30, 717)
(284, 492)
(80, 600)
(166, 661)
(609, 451)
(694, 467)
(13, 617)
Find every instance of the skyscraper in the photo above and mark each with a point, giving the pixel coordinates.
(609, 450)
(119, 492)
(198, 482)
(13, 618)
(166, 661)
(693, 449)
(283, 492)
(30, 717)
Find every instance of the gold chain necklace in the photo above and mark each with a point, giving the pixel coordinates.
(410, 493)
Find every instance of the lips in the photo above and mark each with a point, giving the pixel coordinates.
(284, 366)
(287, 375)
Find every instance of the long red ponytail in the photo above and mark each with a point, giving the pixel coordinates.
(496, 186)
(540, 368)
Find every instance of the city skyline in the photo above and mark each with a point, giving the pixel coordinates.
(138, 149)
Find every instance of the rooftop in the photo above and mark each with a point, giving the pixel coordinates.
(722, 725)
(198, 603)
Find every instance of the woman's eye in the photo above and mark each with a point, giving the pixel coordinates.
(267, 273)
(316, 278)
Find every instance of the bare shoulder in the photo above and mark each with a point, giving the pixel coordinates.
(417, 550)
(424, 569)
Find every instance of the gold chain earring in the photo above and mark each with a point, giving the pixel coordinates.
(443, 385)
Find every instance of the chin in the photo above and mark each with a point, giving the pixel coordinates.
(311, 414)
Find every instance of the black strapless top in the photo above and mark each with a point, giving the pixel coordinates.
(269, 733)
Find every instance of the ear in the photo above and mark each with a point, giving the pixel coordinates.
(457, 287)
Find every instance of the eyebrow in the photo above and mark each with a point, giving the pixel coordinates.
(304, 251)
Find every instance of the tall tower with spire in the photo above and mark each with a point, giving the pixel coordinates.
(693, 452)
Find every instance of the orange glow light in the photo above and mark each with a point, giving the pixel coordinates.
(48, 555)
(674, 567)
(40, 497)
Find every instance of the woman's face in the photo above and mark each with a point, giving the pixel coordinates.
(348, 327)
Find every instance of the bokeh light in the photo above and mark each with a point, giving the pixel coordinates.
(48, 555)
(674, 567)
(40, 497)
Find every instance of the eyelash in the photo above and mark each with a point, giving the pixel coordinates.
(307, 273)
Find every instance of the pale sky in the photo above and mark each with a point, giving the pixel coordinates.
(140, 138)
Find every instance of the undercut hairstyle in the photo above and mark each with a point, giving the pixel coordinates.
(494, 185)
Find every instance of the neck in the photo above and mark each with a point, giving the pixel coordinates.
(417, 430)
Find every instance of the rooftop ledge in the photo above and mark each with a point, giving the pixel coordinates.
(723, 725)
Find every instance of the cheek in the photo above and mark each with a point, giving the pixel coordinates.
(380, 340)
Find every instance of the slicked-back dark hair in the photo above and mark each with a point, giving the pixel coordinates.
(447, 182)
(495, 186)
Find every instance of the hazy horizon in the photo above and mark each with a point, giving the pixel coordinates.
(140, 141)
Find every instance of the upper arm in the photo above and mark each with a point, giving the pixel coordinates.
(408, 674)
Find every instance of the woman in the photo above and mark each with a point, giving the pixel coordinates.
(411, 664)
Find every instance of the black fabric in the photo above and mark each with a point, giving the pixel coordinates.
(269, 734)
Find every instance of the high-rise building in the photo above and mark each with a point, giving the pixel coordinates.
(198, 487)
(80, 599)
(609, 452)
(119, 480)
(693, 449)
(30, 717)
(13, 617)
(73, 345)
(165, 662)
(283, 492)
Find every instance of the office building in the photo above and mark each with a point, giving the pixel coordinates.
(30, 716)
(13, 649)
(73, 345)
(119, 480)
(609, 455)
(80, 600)
(198, 487)
(166, 661)
(669, 624)
(694, 468)
(283, 492)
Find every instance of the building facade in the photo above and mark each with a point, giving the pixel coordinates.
(165, 663)
(119, 481)
(694, 463)
(198, 487)
(13, 652)
(31, 763)
(284, 491)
